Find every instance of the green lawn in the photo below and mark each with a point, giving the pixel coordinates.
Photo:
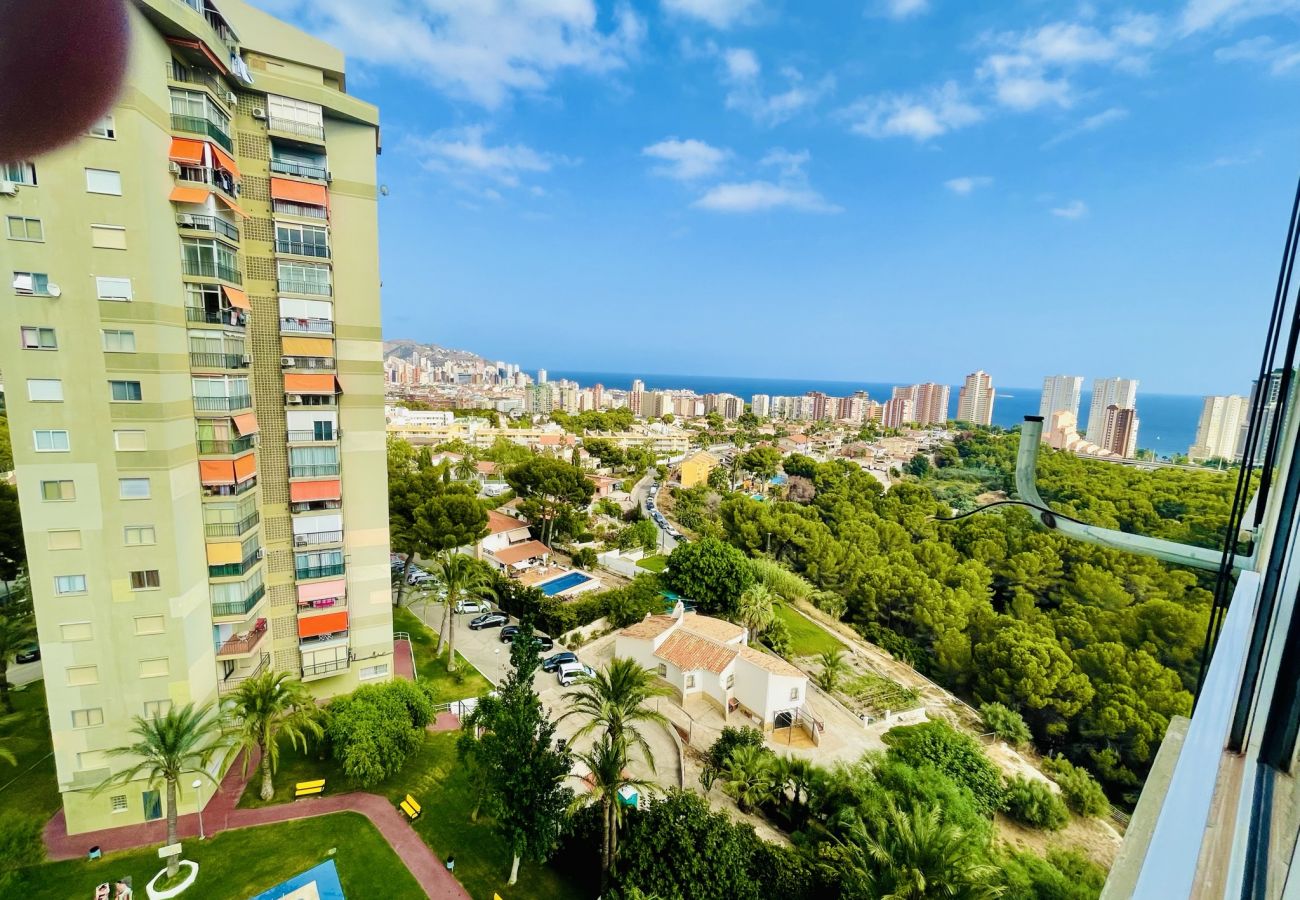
(466, 682)
(807, 638)
(31, 786)
(654, 564)
(235, 865)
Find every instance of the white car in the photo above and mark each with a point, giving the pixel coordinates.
(473, 606)
(568, 673)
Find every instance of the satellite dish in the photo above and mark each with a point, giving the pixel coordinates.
(383, 189)
(54, 290)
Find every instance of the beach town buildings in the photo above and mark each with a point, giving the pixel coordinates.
(975, 399)
(1218, 433)
(1117, 392)
(1060, 392)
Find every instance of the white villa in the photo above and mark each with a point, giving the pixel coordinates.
(707, 660)
(509, 545)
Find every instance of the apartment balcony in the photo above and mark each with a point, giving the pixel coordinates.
(240, 607)
(321, 669)
(232, 529)
(312, 506)
(322, 603)
(204, 268)
(207, 176)
(204, 127)
(300, 130)
(235, 570)
(230, 490)
(320, 400)
(226, 318)
(308, 362)
(302, 210)
(316, 538)
(309, 572)
(320, 470)
(226, 447)
(295, 286)
(223, 404)
(220, 361)
(236, 678)
(214, 224)
(314, 437)
(307, 326)
(191, 77)
(300, 248)
(240, 645)
(299, 170)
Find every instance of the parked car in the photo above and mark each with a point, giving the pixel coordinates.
(551, 663)
(544, 642)
(418, 576)
(571, 672)
(473, 606)
(488, 620)
(31, 654)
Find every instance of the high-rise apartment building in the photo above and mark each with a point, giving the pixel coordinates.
(1218, 434)
(541, 376)
(1270, 401)
(1060, 392)
(638, 386)
(975, 399)
(1121, 392)
(1120, 433)
(898, 412)
(759, 404)
(196, 392)
(929, 401)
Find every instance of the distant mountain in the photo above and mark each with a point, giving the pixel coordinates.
(404, 348)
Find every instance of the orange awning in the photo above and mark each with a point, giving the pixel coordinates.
(324, 624)
(186, 152)
(225, 160)
(189, 194)
(245, 467)
(299, 192)
(232, 205)
(216, 471)
(306, 491)
(225, 554)
(311, 384)
(322, 590)
(246, 424)
(236, 297)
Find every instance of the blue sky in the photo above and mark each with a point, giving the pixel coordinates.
(875, 190)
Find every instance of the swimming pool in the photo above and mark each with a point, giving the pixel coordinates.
(563, 583)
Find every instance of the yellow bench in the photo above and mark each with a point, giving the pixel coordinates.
(411, 807)
(307, 788)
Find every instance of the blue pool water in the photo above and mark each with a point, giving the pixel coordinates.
(325, 876)
(563, 583)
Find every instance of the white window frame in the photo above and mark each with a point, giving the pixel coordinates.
(34, 284)
(145, 585)
(160, 708)
(45, 390)
(124, 440)
(142, 532)
(123, 495)
(70, 583)
(124, 335)
(103, 181)
(37, 331)
(117, 803)
(99, 232)
(53, 440)
(126, 383)
(105, 128)
(60, 482)
(109, 287)
(22, 172)
(26, 223)
(54, 547)
(88, 717)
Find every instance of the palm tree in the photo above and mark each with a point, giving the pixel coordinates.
(464, 577)
(755, 609)
(794, 774)
(607, 763)
(265, 708)
(17, 632)
(614, 699)
(749, 776)
(465, 468)
(834, 668)
(167, 747)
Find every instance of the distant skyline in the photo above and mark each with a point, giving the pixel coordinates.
(900, 190)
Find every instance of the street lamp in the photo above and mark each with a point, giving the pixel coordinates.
(198, 794)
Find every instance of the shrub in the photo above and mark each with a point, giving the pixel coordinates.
(730, 739)
(584, 558)
(1006, 723)
(1079, 789)
(780, 580)
(626, 605)
(957, 755)
(831, 603)
(1063, 875)
(777, 638)
(374, 729)
(1033, 803)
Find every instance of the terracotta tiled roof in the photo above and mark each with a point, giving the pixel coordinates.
(688, 652)
(714, 629)
(499, 522)
(508, 556)
(486, 467)
(649, 627)
(773, 664)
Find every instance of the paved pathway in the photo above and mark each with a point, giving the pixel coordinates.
(404, 660)
(221, 814)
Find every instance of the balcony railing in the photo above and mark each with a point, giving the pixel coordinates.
(305, 210)
(230, 490)
(324, 668)
(231, 529)
(219, 361)
(196, 76)
(302, 170)
(240, 607)
(229, 684)
(301, 129)
(296, 286)
(208, 223)
(318, 571)
(210, 269)
(242, 644)
(238, 445)
(223, 404)
(230, 318)
(300, 248)
(201, 125)
(315, 506)
(309, 326)
(310, 400)
(313, 437)
(309, 362)
(231, 570)
(315, 471)
(323, 603)
(215, 178)
(313, 538)
(308, 643)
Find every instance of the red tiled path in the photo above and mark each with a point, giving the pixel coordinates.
(404, 660)
(221, 814)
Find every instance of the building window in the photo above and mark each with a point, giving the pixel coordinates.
(139, 535)
(794, 693)
(117, 803)
(23, 229)
(58, 490)
(79, 676)
(64, 539)
(51, 441)
(662, 670)
(133, 488)
(104, 181)
(113, 288)
(36, 283)
(124, 391)
(105, 128)
(87, 718)
(149, 625)
(45, 390)
(116, 341)
(731, 681)
(690, 681)
(154, 668)
(21, 172)
(133, 440)
(69, 584)
(156, 709)
(36, 338)
(144, 580)
(76, 631)
(373, 671)
(108, 237)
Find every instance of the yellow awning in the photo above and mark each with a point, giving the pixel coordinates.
(304, 346)
(224, 554)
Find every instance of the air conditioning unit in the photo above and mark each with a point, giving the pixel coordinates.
(185, 218)
(329, 177)
(261, 553)
(246, 360)
(174, 168)
(287, 361)
(231, 98)
(8, 188)
(259, 113)
(300, 540)
(295, 399)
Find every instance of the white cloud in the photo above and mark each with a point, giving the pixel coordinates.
(920, 117)
(742, 64)
(686, 160)
(790, 164)
(746, 92)
(1279, 59)
(1075, 209)
(469, 162)
(967, 184)
(482, 52)
(903, 9)
(718, 13)
(1091, 123)
(1199, 15)
(760, 196)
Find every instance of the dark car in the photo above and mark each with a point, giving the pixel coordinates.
(31, 654)
(488, 620)
(544, 642)
(551, 663)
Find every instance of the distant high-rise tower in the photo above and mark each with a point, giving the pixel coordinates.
(929, 401)
(759, 405)
(1121, 392)
(1061, 392)
(638, 386)
(1218, 434)
(541, 376)
(975, 400)
(1120, 431)
(1272, 393)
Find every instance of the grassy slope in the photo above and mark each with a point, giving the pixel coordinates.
(444, 686)
(31, 786)
(653, 563)
(806, 638)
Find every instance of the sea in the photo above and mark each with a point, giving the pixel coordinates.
(1167, 422)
